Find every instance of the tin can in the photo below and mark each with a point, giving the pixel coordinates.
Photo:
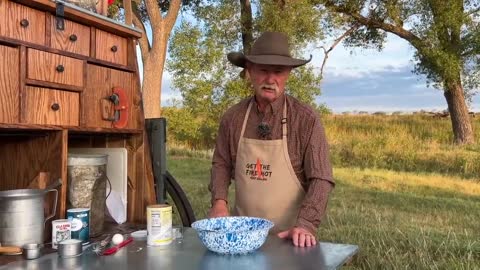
(61, 230)
(80, 219)
(159, 224)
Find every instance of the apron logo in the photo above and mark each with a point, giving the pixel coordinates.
(258, 171)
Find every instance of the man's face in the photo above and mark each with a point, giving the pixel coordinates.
(268, 81)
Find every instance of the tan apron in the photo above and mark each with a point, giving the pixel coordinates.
(265, 183)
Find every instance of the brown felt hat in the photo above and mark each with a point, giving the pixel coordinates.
(271, 48)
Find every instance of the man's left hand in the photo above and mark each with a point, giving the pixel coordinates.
(300, 237)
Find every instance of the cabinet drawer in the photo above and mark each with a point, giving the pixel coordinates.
(50, 67)
(22, 23)
(111, 48)
(51, 107)
(74, 38)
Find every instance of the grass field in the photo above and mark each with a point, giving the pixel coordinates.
(402, 212)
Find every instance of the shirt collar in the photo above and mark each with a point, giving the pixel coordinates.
(274, 107)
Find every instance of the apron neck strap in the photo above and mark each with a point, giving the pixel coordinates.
(284, 118)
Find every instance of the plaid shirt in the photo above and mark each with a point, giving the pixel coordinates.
(307, 147)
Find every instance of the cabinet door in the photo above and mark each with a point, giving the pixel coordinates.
(9, 84)
(99, 85)
(22, 23)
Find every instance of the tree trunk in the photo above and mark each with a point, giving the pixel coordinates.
(247, 25)
(152, 85)
(461, 124)
(154, 56)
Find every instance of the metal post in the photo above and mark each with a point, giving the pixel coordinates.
(157, 136)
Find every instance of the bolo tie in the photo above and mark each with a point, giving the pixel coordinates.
(263, 129)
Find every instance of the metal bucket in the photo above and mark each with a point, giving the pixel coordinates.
(22, 218)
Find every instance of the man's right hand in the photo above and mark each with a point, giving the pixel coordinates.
(219, 209)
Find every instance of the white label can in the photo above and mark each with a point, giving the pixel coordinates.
(61, 230)
(159, 224)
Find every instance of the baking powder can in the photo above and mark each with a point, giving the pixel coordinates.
(61, 230)
(80, 219)
(159, 224)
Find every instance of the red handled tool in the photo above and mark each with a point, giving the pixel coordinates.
(120, 108)
(114, 249)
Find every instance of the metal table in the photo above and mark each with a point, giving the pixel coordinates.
(275, 254)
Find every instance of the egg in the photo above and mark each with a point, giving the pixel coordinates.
(117, 239)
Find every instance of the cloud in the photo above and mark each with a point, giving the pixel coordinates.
(388, 90)
(168, 94)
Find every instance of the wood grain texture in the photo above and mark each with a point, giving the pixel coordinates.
(100, 82)
(128, 82)
(28, 156)
(61, 39)
(38, 106)
(54, 85)
(42, 66)
(13, 14)
(103, 47)
(84, 18)
(62, 196)
(3, 17)
(9, 85)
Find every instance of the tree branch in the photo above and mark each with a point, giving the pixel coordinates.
(369, 22)
(335, 43)
(471, 12)
(172, 14)
(154, 15)
(143, 41)
(127, 6)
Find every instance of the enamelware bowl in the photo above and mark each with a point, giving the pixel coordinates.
(233, 235)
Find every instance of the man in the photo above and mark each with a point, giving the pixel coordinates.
(274, 147)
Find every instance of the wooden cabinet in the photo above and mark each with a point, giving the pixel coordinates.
(9, 84)
(54, 89)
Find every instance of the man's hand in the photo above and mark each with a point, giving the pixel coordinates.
(300, 237)
(219, 209)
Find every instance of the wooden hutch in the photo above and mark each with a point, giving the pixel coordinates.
(58, 66)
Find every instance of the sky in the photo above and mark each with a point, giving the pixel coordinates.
(366, 80)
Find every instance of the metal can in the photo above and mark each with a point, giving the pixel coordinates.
(80, 219)
(159, 224)
(61, 230)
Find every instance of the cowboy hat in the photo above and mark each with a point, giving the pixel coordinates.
(271, 48)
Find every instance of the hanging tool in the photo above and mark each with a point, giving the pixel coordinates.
(120, 108)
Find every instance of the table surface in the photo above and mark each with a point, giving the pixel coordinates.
(190, 253)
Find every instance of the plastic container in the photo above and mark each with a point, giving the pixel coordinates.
(87, 179)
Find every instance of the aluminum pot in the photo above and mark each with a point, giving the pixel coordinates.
(22, 218)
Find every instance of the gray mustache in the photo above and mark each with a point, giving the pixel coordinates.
(270, 86)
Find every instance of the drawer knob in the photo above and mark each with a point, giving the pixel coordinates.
(114, 48)
(24, 23)
(73, 37)
(55, 107)
(60, 68)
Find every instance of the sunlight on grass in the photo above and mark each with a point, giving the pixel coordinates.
(400, 220)
(403, 182)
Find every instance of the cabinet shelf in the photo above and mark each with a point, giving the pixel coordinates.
(19, 128)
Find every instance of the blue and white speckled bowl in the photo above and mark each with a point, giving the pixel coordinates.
(233, 235)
